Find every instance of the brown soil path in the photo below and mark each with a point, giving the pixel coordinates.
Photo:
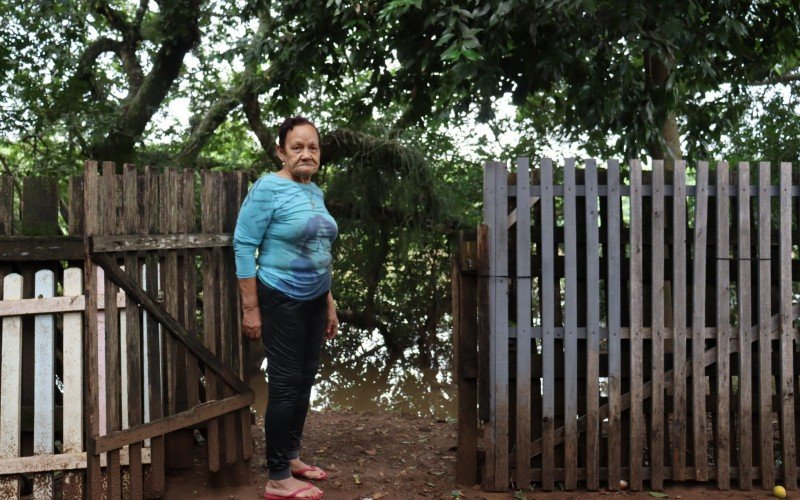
(382, 455)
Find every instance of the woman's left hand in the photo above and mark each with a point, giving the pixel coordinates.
(332, 324)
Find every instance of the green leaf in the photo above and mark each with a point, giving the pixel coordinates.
(658, 494)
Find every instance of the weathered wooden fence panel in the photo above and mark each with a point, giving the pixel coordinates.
(662, 307)
(123, 343)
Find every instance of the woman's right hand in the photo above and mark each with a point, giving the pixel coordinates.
(251, 324)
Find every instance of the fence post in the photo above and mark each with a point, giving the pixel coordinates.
(495, 205)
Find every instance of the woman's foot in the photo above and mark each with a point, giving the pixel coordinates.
(304, 471)
(291, 488)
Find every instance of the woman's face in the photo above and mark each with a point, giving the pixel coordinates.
(301, 154)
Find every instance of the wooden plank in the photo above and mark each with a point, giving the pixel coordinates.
(184, 419)
(6, 205)
(764, 342)
(169, 273)
(495, 213)
(91, 368)
(467, 446)
(785, 382)
(224, 329)
(722, 434)
(39, 206)
(72, 426)
(70, 462)
(44, 386)
(614, 294)
(133, 331)
(75, 208)
(570, 327)
(679, 366)
(636, 306)
(108, 217)
(144, 242)
(154, 482)
(656, 445)
(593, 329)
(208, 221)
(548, 322)
(524, 346)
(37, 248)
(11, 386)
(24, 307)
(244, 343)
(744, 417)
(187, 225)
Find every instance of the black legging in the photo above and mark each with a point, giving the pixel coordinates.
(292, 332)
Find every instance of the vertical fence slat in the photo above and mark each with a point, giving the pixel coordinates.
(133, 330)
(764, 330)
(785, 383)
(154, 484)
(224, 319)
(592, 329)
(72, 351)
(113, 394)
(548, 323)
(171, 285)
(467, 342)
(523, 252)
(744, 421)
(614, 259)
(722, 435)
(700, 241)
(190, 280)
(636, 305)
(497, 175)
(44, 384)
(679, 322)
(244, 344)
(656, 445)
(210, 195)
(570, 330)
(11, 386)
(91, 369)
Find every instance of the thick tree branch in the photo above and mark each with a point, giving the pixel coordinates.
(116, 19)
(180, 22)
(205, 128)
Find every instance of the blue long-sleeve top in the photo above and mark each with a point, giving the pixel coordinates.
(288, 224)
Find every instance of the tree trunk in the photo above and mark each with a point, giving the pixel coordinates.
(669, 147)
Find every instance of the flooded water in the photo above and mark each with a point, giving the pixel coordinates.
(363, 377)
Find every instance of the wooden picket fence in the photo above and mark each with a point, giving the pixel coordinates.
(133, 312)
(578, 309)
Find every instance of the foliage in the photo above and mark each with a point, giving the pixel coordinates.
(203, 83)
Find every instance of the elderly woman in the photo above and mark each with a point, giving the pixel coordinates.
(286, 298)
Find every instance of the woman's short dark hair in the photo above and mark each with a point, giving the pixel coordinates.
(290, 123)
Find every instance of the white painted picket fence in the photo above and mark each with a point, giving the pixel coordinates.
(48, 457)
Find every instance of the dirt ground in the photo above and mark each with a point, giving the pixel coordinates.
(387, 455)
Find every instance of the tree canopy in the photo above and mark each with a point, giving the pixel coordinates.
(203, 83)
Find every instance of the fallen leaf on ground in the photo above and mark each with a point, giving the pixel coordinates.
(357, 478)
(371, 453)
(380, 494)
(658, 494)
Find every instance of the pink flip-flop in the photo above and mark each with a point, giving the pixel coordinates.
(294, 494)
(300, 474)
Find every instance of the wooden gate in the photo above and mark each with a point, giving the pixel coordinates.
(161, 349)
(628, 325)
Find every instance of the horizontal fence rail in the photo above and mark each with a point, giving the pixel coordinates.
(633, 324)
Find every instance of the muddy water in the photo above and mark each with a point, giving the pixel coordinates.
(365, 378)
